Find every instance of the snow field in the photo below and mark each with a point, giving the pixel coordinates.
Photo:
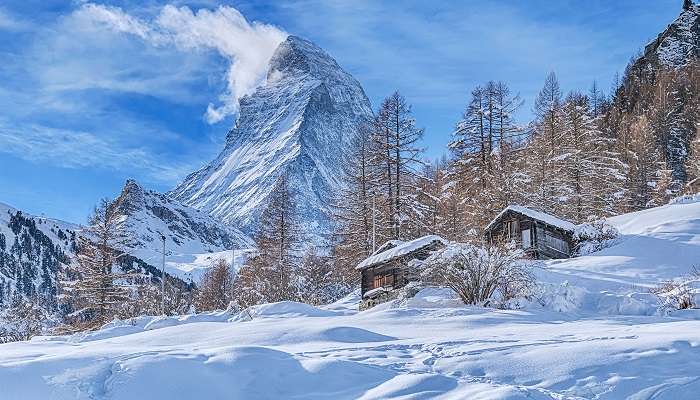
(593, 332)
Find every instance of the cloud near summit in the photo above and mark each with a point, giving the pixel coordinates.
(248, 46)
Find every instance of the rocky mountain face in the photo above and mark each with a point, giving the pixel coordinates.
(663, 84)
(32, 250)
(298, 123)
(149, 214)
(678, 45)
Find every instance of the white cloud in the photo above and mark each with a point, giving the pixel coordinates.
(247, 46)
(11, 23)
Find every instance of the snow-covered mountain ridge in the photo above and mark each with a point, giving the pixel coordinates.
(149, 214)
(299, 123)
(679, 43)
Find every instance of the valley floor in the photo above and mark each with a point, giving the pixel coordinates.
(427, 348)
(593, 332)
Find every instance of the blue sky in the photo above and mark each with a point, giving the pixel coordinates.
(95, 93)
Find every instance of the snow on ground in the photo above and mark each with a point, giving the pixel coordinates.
(594, 333)
(427, 348)
(654, 245)
(191, 267)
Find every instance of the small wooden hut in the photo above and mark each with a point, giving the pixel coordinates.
(392, 267)
(541, 235)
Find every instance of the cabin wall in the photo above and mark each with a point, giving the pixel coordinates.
(546, 242)
(399, 272)
(553, 243)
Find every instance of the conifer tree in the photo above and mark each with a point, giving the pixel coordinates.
(278, 242)
(215, 290)
(359, 223)
(95, 289)
(545, 148)
(693, 162)
(485, 149)
(403, 159)
(647, 160)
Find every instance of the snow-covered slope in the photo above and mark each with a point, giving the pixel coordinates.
(299, 123)
(430, 346)
(656, 244)
(679, 42)
(189, 233)
(32, 249)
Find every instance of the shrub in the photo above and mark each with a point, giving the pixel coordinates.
(594, 236)
(677, 294)
(480, 274)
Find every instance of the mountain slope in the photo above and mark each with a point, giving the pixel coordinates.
(299, 123)
(32, 249)
(679, 43)
(188, 231)
(663, 86)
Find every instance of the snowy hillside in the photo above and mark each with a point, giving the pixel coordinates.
(32, 249)
(430, 346)
(189, 233)
(298, 123)
(656, 244)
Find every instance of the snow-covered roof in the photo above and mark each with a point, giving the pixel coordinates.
(538, 215)
(400, 250)
(389, 244)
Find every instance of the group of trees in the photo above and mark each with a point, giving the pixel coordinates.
(284, 267)
(584, 156)
(103, 282)
(386, 196)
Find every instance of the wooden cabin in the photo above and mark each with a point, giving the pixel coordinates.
(541, 235)
(392, 267)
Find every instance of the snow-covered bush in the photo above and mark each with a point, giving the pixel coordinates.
(486, 275)
(686, 199)
(673, 295)
(678, 294)
(594, 236)
(24, 319)
(318, 281)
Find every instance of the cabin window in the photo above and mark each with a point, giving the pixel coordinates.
(383, 280)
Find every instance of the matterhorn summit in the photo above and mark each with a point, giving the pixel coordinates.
(298, 123)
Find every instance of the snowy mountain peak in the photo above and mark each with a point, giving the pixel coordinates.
(300, 55)
(299, 123)
(680, 42)
(132, 197)
(149, 214)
